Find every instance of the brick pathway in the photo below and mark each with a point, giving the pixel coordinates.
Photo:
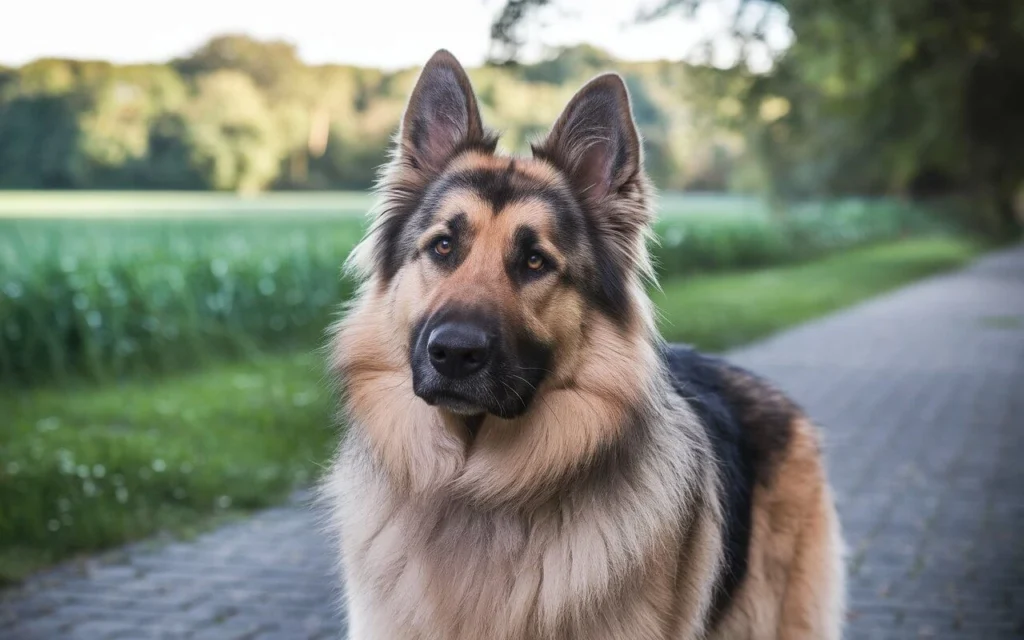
(921, 397)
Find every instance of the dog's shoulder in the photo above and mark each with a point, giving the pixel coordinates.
(750, 426)
(742, 413)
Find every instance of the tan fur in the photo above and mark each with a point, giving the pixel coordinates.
(794, 588)
(596, 514)
(539, 171)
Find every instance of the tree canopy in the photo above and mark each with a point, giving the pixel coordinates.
(244, 114)
(916, 96)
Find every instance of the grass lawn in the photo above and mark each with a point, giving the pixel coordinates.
(88, 468)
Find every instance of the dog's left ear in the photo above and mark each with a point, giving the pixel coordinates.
(595, 141)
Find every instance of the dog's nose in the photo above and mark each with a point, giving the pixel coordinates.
(458, 349)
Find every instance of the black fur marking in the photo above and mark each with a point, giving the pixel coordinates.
(398, 231)
(524, 243)
(473, 423)
(507, 383)
(609, 291)
(388, 257)
(605, 288)
(750, 426)
(767, 416)
(458, 231)
(604, 284)
(499, 188)
(568, 233)
(529, 368)
(458, 225)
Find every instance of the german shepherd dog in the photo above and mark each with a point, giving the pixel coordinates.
(525, 457)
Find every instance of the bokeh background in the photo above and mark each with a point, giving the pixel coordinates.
(179, 186)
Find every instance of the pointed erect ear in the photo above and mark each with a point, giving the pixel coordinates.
(442, 115)
(595, 141)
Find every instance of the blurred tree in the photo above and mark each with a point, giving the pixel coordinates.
(243, 114)
(39, 144)
(231, 133)
(115, 120)
(872, 97)
(169, 164)
(269, 64)
(8, 79)
(569, 64)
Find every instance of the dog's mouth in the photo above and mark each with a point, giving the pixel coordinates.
(455, 403)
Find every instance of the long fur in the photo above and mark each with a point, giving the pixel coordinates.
(601, 511)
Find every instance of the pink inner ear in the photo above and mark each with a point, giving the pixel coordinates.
(445, 131)
(437, 118)
(594, 170)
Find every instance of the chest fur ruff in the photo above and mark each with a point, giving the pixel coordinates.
(594, 563)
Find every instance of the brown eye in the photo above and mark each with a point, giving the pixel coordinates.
(443, 246)
(535, 262)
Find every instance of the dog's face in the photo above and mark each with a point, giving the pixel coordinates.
(493, 263)
(490, 284)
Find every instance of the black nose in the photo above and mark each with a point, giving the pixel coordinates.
(458, 349)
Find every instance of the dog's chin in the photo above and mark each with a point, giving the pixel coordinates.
(459, 406)
(463, 405)
(452, 403)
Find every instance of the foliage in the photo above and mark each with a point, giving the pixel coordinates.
(231, 133)
(920, 96)
(110, 300)
(84, 469)
(247, 115)
(915, 96)
(151, 291)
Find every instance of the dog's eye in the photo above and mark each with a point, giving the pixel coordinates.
(535, 262)
(443, 246)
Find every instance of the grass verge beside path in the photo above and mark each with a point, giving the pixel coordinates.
(90, 468)
(720, 311)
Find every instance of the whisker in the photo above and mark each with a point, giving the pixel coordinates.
(528, 383)
(513, 390)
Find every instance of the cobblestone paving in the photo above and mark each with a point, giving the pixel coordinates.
(920, 394)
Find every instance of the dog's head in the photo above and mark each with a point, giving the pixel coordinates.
(492, 265)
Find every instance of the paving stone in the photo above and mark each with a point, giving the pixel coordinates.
(920, 396)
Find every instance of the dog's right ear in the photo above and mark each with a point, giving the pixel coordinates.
(442, 117)
(595, 140)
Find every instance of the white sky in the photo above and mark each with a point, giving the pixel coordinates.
(378, 33)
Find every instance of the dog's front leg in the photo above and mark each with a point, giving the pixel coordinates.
(700, 558)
